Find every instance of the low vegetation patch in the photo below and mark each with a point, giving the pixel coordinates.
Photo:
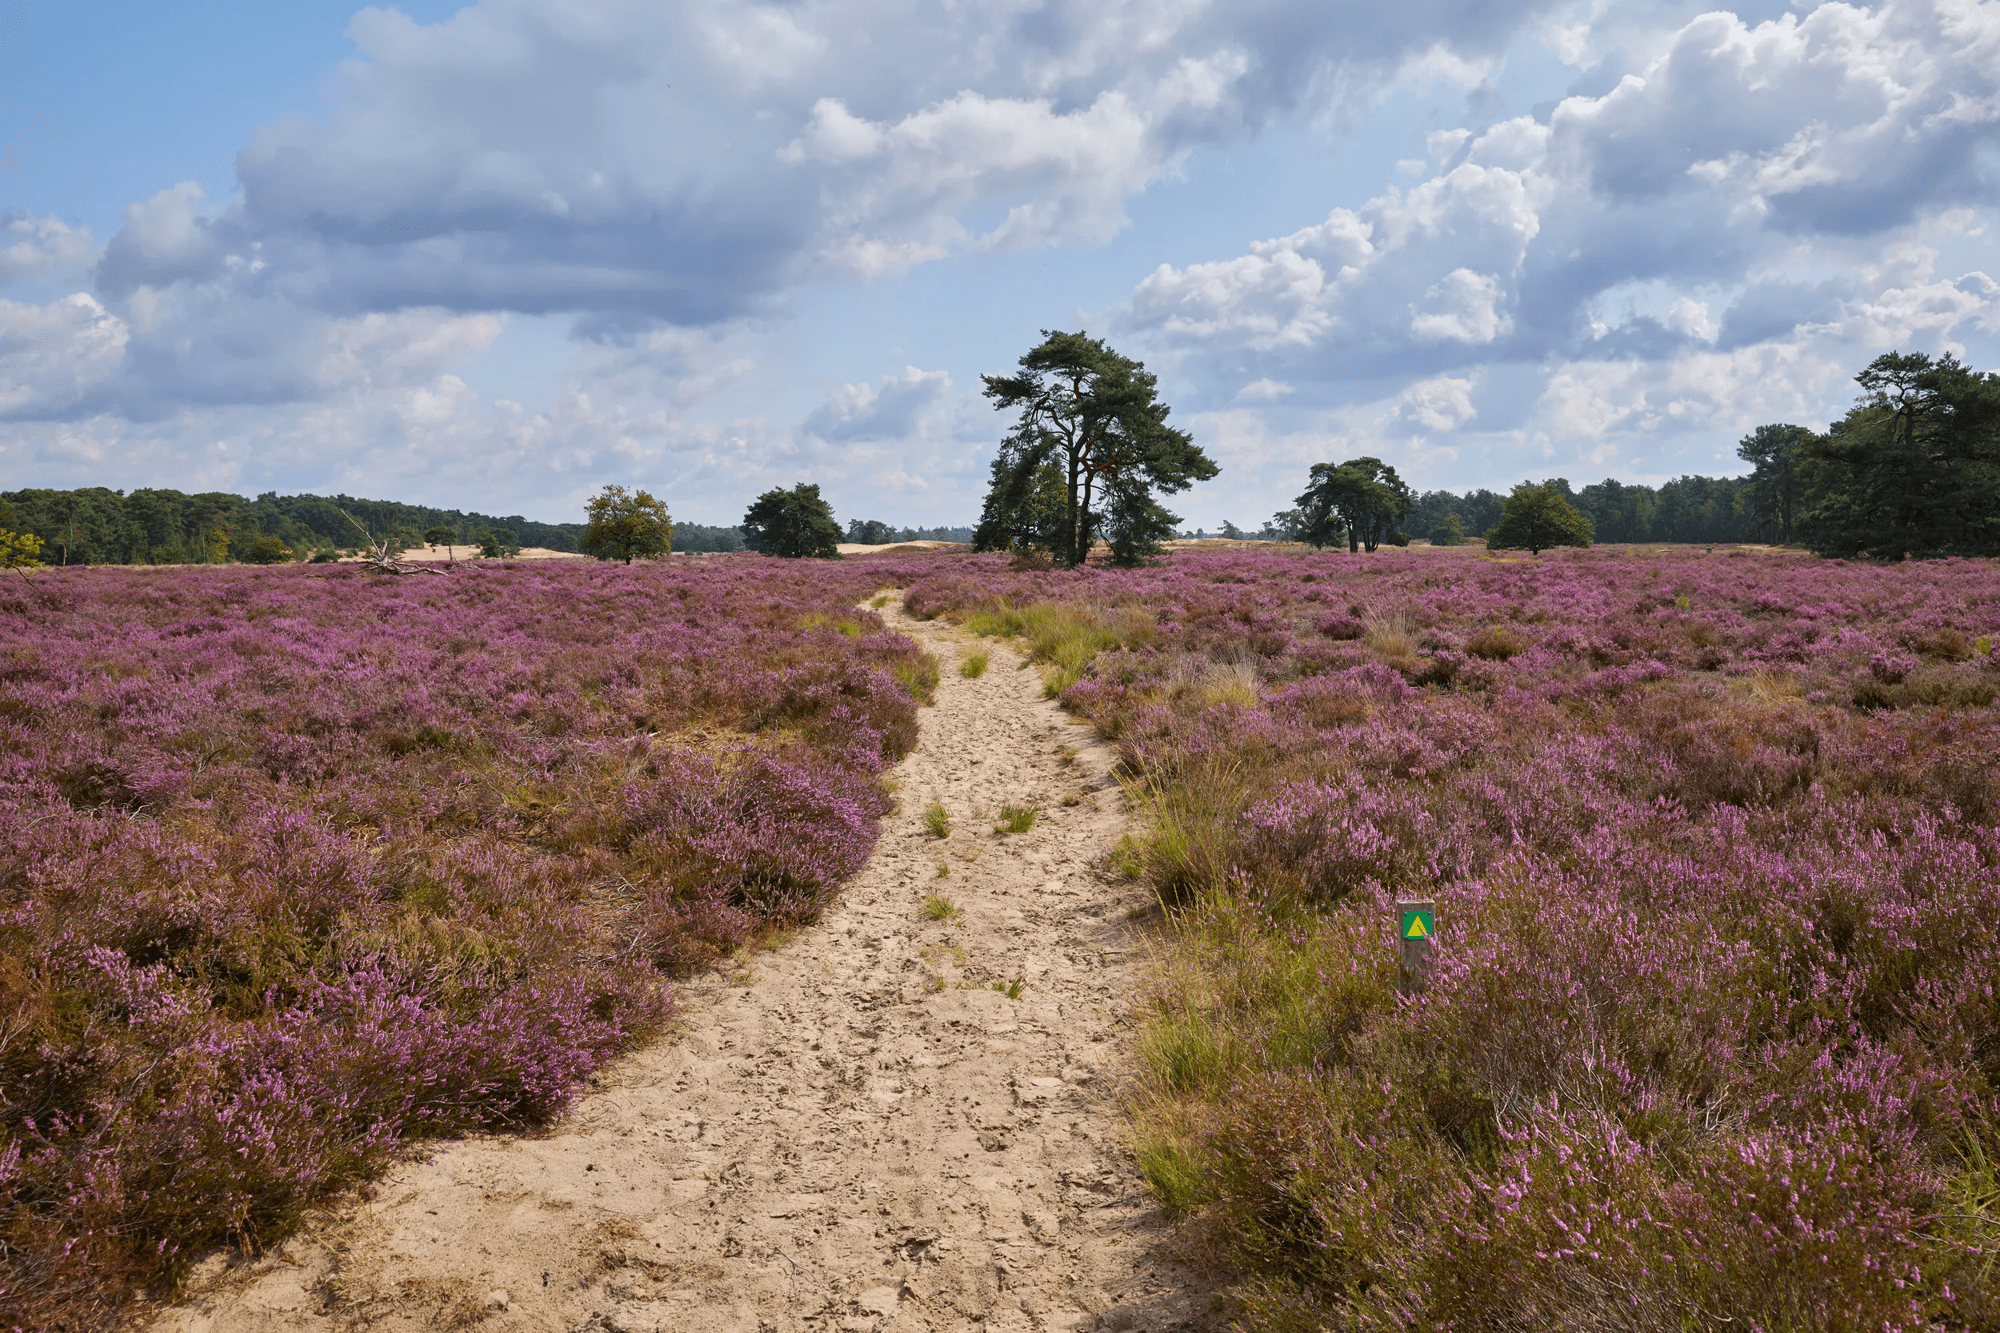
(305, 865)
(1017, 818)
(1708, 1041)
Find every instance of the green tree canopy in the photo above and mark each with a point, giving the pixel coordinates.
(20, 551)
(1778, 485)
(792, 523)
(265, 550)
(869, 532)
(1358, 502)
(1912, 469)
(623, 524)
(1534, 518)
(499, 543)
(1030, 518)
(1095, 418)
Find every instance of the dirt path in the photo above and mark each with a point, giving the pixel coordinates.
(865, 1137)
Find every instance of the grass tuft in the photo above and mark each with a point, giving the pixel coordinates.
(937, 907)
(974, 664)
(937, 819)
(1017, 818)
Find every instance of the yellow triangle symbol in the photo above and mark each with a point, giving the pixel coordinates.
(1416, 930)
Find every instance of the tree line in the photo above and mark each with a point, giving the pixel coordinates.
(97, 526)
(1912, 470)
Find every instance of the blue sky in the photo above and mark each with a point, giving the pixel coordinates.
(497, 256)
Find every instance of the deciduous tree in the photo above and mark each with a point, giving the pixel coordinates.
(20, 551)
(623, 524)
(1535, 518)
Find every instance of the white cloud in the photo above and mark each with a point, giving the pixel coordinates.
(887, 412)
(43, 248)
(1463, 309)
(1773, 195)
(58, 357)
(1265, 390)
(1726, 232)
(1439, 404)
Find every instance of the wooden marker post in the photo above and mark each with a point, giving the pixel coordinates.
(1416, 928)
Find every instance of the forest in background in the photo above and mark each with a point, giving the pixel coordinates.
(99, 526)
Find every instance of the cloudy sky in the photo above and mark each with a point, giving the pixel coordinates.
(496, 256)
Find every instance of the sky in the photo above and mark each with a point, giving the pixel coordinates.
(497, 256)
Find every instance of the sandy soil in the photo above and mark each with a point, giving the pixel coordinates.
(442, 554)
(861, 1136)
(863, 548)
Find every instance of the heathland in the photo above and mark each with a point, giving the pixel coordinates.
(306, 866)
(1712, 1038)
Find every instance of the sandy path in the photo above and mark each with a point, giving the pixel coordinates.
(865, 1137)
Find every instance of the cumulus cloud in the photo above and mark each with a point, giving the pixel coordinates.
(43, 247)
(889, 411)
(683, 164)
(1439, 404)
(59, 357)
(639, 167)
(1758, 200)
(1720, 231)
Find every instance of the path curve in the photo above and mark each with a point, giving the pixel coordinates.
(863, 1138)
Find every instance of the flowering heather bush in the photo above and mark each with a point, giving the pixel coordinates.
(302, 865)
(1712, 1039)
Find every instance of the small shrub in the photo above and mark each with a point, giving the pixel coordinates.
(1017, 818)
(937, 819)
(1496, 643)
(919, 676)
(1127, 858)
(1344, 628)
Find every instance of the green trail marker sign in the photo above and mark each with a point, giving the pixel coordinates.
(1416, 933)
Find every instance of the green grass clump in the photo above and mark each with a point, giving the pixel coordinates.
(938, 820)
(1171, 1172)
(881, 600)
(937, 907)
(1017, 818)
(974, 665)
(919, 676)
(1062, 636)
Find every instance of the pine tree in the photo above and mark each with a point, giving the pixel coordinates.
(794, 524)
(1095, 418)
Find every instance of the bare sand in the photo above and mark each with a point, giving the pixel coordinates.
(443, 554)
(863, 548)
(858, 1135)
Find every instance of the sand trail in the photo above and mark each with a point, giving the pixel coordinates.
(864, 1137)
